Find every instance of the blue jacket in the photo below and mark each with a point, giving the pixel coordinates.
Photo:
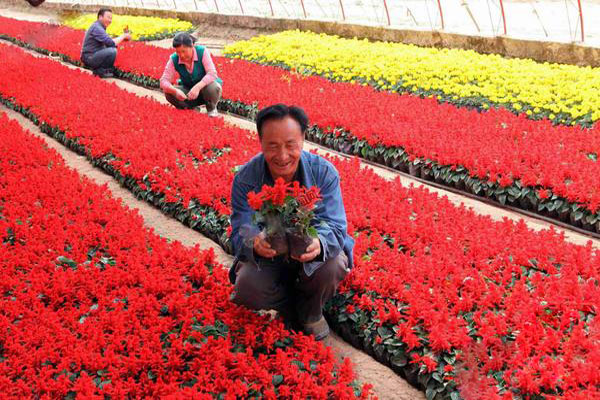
(330, 214)
(95, 40)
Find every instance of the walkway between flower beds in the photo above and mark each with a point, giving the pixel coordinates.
(387, 384)
(479, 207)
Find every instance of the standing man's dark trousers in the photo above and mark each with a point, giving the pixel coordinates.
(101, 62)
(285, 287)
(209, 95)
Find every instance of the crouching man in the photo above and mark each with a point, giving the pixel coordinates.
(299, 287)
(99, 50)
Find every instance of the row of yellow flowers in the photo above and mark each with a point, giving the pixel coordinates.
(140, 27)
(564, 93)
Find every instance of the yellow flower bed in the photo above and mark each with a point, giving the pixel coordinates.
(564, 93)
(140, 27)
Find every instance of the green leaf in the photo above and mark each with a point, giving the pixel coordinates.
(277, 380)
(299, 364)
(384, 332)
(513, 191)
(151, 375)
(399, 360)
(430, 392)
(103, 383)
(62, 260)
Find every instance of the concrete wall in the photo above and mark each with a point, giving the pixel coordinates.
(538, 50)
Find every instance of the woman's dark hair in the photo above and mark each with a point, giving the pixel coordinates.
(102, 11)
(183, 39)
(280, 111)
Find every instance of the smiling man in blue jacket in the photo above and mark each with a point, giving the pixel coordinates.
(298, 288)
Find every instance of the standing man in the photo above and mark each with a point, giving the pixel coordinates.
(99, 50)
(297, 288)
(198, 82)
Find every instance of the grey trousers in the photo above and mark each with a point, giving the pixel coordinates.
(101, 61)
(285, 287)
(209, 95)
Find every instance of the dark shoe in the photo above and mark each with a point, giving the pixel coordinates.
(103, 73)
(319, 328)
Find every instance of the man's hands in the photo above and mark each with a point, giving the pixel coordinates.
(123, 37)
(312, 251)
(263, 249)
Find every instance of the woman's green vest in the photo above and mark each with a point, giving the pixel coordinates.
(186, 79)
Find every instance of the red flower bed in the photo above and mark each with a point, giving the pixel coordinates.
(501, 150)
(439, 292)
(82, 313)
(94, 114)
(500, 310)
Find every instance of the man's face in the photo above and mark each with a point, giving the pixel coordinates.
(106, 19)
(281, 143)
(185, 53)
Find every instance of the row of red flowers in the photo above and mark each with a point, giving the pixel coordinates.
(82, 313)
(435, 287)
(495, 146)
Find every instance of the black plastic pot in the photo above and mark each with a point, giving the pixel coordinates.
(298, 244)
(460, 184)
(426, 174)
(524, 203)
(413, 169)
(278, 243)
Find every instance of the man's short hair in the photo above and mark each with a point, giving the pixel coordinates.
(280, 111)
(183, 39)
(102, 11)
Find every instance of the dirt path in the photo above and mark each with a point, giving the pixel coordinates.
(29, 13)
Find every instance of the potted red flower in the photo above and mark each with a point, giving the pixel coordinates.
(286, 211)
